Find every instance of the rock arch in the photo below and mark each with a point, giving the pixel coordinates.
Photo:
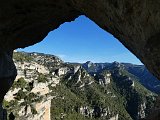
(136, 24)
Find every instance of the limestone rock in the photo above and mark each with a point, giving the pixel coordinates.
(141, 113)
(114, 117)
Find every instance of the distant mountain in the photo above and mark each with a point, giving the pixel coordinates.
(95, 67)
(144, 77)
(139, 71)
(47, 88)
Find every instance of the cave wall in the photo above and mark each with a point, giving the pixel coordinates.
(136, 24)
(24, 23)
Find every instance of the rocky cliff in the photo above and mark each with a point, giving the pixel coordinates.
(139, 71)
(46, 88)
(29, 97)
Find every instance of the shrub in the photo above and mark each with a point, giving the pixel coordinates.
(21, 57)
(41, 78)
(20, 83)
(5, 104)
(20, 95)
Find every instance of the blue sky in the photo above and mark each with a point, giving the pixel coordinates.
(82, 40)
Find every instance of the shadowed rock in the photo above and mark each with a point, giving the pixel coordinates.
(136, 23)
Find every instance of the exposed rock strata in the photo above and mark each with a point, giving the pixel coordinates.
(29, 72)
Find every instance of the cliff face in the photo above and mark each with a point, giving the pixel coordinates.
(139, 71)
(46, 88)
(29, 96)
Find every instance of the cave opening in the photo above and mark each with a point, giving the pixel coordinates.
(82, 40)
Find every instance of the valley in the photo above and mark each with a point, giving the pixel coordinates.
(47, 88)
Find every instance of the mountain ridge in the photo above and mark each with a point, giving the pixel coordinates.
(140, 71)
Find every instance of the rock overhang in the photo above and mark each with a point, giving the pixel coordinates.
(136, 24)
